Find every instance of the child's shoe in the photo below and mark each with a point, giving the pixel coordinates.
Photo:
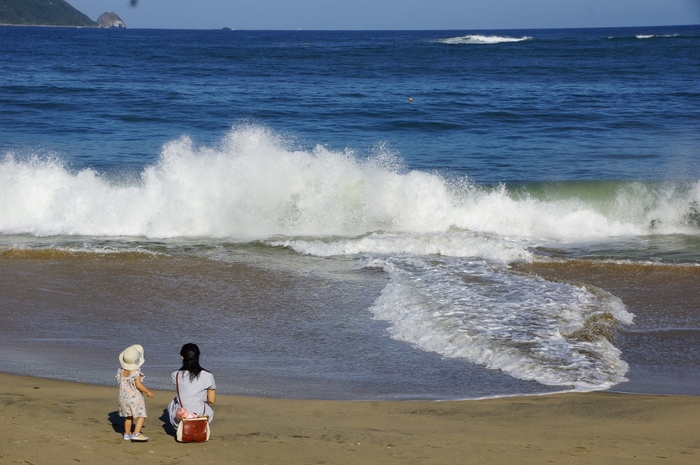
(127, 437)
(139, 437)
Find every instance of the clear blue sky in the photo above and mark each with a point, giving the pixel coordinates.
(394, 14)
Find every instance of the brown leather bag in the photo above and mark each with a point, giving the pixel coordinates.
(191, 429)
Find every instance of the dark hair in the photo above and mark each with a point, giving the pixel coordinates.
(190, 360)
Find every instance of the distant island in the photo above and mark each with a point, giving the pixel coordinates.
(51, 13)
(110, 20)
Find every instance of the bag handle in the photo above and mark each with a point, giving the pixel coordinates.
(177, 388)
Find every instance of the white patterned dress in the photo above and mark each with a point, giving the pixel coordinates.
(131, 403)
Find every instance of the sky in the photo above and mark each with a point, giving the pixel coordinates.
(393, 14)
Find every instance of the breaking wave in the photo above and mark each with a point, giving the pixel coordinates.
(252, 186)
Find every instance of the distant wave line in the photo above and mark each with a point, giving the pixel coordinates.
(481, 39)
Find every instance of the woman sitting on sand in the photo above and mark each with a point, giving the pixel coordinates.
(196, 388)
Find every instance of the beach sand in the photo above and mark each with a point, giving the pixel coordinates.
(48, 421)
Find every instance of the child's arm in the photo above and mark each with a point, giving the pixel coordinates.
(142, 388)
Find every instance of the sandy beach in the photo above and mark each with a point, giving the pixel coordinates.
(48, 421)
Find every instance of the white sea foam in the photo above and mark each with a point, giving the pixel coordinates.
(252, 186)
(482, 39)
(524, 326)
(447, 244)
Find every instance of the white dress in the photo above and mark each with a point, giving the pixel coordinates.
(193, 394)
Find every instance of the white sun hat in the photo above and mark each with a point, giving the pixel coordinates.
(132, 357)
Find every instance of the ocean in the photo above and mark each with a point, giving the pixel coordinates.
(354, 214)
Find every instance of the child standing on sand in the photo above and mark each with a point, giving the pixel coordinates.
(131, 390)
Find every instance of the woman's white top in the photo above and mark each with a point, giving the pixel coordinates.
(193, 394)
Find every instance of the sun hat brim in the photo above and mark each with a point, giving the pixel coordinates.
(132, 357)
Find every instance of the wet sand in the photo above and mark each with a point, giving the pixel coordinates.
(50, 421)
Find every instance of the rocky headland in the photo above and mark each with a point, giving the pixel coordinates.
(52, 13)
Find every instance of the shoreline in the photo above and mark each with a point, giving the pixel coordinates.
(610, 390)
(46, 420)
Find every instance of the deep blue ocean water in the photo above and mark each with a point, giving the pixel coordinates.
(405, 172)
(585, 104)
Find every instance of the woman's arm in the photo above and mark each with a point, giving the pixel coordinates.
(211, 396)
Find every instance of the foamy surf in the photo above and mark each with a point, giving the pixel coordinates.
(446, 244)
(532, 329)
(252, 186)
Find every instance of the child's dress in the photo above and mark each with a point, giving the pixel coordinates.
(131, 403)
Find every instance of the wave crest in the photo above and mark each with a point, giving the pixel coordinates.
(252, 186)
